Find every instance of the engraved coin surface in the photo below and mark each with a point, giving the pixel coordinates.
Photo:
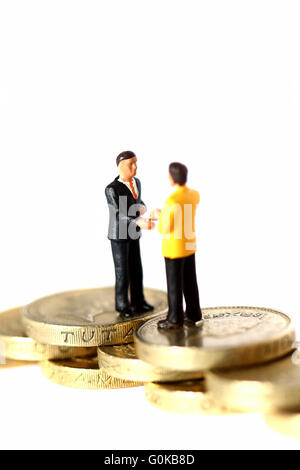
(82, 373)
(228, 337)
(189, 397)
(14, 344)
(85, 318)
(275, 385)
(121, 361)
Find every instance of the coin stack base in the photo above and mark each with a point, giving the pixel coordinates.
(285, 422)
(239, 359)
(121, 362)
(275, 385)
(18, 346)
(83, 374)
(189, 397)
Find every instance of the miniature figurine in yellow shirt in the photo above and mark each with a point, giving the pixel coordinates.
(177, 226)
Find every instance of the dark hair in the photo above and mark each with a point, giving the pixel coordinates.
(125, 156)
(179, 173)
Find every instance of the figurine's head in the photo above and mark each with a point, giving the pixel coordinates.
(178, 174)
(127, 165)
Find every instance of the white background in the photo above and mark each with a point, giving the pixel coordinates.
(212, 84)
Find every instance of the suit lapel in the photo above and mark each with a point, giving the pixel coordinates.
(138, 184)
(124, 188)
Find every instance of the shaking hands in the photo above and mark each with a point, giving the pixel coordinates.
(148, 224)
(154, 215)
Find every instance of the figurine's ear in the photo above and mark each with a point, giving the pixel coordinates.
(171, 179)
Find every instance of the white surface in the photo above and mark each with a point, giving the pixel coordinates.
(213, 84)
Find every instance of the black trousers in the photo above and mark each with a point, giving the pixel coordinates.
(182, 280)
(128, 273)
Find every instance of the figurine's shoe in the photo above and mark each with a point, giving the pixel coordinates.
(126, 312)
(143, 308)
(191, 323)
(168, 325)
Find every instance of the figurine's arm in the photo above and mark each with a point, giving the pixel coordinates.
(142, 208)
(113, 202)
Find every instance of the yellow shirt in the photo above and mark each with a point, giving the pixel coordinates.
(177, 223)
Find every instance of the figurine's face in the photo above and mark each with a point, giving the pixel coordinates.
(127, 168)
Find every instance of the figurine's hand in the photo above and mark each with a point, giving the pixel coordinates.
(145, 224)
(155, 214)
(142, 209)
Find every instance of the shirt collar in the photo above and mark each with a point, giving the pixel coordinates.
(118, 178)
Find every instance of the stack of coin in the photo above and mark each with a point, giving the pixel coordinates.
(238, 359)
(62, 331)
(122, 362)
(16, 345)
(228, 337)
(245, 354)
(83, 373)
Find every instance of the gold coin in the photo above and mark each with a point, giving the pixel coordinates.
(285, 422)
(271, 386)
(228, 337)
(15, 345)
(85, 318)
(121, 361)
(189, 397)
(82, 373)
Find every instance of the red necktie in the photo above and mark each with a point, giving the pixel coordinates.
(132, 189)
